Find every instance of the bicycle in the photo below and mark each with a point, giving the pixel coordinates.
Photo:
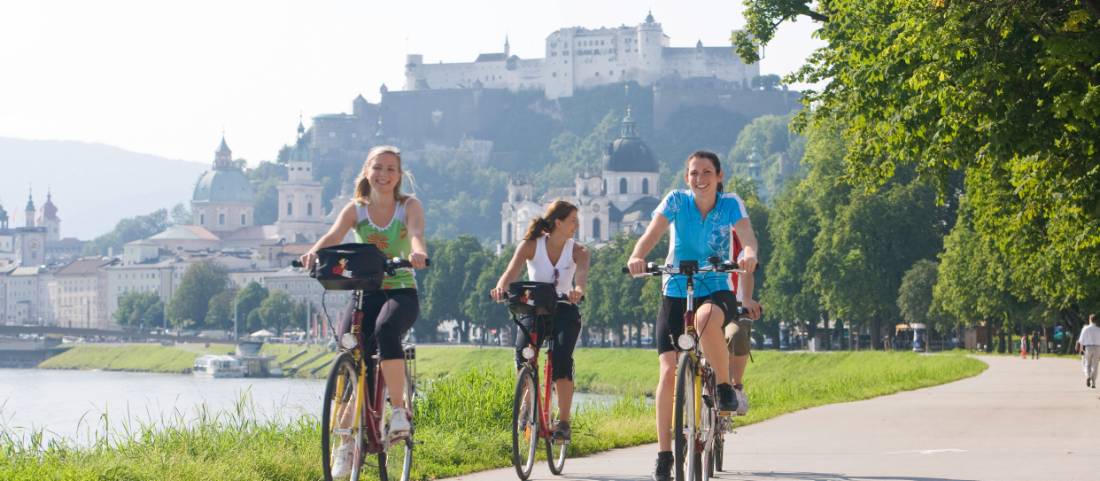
(355, 403)
(695, 420)
(532, 418)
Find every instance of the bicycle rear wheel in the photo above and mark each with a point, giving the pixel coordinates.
(341, 425)
(688, 459)
(555, 451)
(395, 462)
(710, 431)
(525, 426)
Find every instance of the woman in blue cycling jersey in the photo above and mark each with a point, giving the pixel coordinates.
(702, 220)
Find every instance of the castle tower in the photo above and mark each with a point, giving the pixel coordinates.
(507, 47)
(47, 217)
(3, 218)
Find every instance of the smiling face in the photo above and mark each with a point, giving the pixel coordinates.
(702, 176)
(384, 173)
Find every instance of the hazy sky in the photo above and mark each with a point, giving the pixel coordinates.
(165, 77)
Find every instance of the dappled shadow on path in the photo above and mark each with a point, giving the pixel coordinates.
(806, 476)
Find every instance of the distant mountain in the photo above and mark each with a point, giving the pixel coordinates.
(93, 185)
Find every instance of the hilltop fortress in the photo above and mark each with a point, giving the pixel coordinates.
(578, 58)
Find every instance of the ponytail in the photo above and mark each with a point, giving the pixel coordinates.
(539, 226)
(557, 210)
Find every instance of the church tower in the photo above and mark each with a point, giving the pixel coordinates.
(29, 210)
(301, 206)
(47, 217)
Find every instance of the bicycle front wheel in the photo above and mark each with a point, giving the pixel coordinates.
(685, 423)
(342, 421)
(555, 450)
(395, 462)
(525, 425)
(710, 430)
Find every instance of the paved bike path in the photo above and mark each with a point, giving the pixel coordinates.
(1022, 420)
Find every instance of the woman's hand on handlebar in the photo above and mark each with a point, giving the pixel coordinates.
(498, 294)
(636, 265)
(308, 259)
(748, 263)
(575, 295)
(419, 260)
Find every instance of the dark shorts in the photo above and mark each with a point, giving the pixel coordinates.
(394, 311)
(567, 327)
(670, 318)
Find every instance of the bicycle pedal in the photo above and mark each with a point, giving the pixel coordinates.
(707, 400)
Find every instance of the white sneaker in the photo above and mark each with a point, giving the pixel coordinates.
(341, 461)
(399, 423)
(742, 401)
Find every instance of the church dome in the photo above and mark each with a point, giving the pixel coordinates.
(49, 210)
(218, 185)
(629, 153)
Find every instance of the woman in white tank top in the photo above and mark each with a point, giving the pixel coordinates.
(553, 256)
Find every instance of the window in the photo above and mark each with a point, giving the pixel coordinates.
(645, 186)
(289, 208)
(221, 219)
(508, 234)
(596, 228)
(202, 219)
(242, 219)
(622, 185)
(309, 208)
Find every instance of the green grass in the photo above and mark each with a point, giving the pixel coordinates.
(134, 357)
(462, 424)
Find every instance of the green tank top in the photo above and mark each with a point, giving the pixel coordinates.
(392, 239)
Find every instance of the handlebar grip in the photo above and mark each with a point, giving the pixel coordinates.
(626, 270)
(295, 263)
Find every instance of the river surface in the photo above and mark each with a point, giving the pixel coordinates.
(81, 406)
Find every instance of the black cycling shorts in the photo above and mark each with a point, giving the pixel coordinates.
(395, 311)
(567, 326)
(670, 318)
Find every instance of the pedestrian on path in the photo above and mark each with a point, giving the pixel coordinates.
(1023, 346)
(1088, 344)
(1035, 344)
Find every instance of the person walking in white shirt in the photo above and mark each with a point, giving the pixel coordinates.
(1088, 344)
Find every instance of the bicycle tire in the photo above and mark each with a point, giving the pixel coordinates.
(555, 452)
(711, 426)
(391, 458)
(340, 387)
(688, 461)
(525, 426)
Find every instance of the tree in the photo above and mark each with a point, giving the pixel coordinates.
(139, 310)
(915, 294)
(219, 313)
(200, 283)
(181, 215)
(1002, 90)
(456, 265)
(128, 230)
(248, 300)
(277, 311)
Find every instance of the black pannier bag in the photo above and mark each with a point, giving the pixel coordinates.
(527, 298)
(349, 267)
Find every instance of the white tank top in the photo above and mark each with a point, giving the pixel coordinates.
(539, 268)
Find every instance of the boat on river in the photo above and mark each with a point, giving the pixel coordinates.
(218, 366)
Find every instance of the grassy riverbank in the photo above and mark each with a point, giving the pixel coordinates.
(462, 424)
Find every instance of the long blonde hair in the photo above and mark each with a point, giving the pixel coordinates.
(362, 183)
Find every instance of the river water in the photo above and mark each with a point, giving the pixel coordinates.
(81, 406)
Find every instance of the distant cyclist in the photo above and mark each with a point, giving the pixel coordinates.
(394, 223)
(703, 220)
(738, 332)
(553, 256)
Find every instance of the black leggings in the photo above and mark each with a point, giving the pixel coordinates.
(567, 326)
(394, 311)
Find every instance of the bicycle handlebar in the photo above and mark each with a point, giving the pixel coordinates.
(391, 264)
(653, 269)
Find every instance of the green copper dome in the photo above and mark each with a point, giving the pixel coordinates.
(229, 186)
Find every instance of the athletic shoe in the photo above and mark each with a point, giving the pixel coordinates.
(399, 423)
(727, 400)
(663, 471)
(562, 433)
(742, 400)
(341, 460)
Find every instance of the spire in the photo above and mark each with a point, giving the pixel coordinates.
(49, 210)
(699, 43)
(628, 126)
(29, 211)
(507, 47)
(223, 157)
(301, 127)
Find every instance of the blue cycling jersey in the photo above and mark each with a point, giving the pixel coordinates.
(694, 238)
